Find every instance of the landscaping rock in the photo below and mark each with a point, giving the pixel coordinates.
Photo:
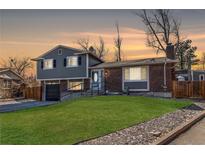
(148, 132)
(157, 134)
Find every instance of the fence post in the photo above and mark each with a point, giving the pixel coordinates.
(92, 89)
(203, 85)
(98, 89)
(25, 91)
(81, 89)
(189, 85)
(173, 89)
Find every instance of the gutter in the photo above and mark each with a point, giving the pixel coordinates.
(165, 75)
(128, 65)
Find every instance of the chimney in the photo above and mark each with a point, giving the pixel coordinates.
(170, 53)
(91, 49)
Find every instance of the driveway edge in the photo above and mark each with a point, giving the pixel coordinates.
(179, 130)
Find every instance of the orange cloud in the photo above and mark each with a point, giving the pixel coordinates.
(197, 36)
(125, 32)
(133, 42)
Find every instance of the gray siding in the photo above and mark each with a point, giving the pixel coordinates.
(93, 61)
(135, 85)
(60, 71)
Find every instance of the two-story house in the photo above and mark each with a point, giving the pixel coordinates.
(64, 69)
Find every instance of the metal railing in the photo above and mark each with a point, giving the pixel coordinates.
(71, 91)
(99, 87)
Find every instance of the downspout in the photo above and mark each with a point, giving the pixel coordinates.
(165, 75)
(169, 52)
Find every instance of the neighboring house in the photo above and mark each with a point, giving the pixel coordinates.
(64, 69)
(11, 83)
(196, 75)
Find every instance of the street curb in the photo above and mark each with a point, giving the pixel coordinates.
(179, 130)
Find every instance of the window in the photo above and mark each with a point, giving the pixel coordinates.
(72, 61)
(135, 73)
(75, 85)
(7, 84)
(201, 77)
(59, 51)
(48, 63)
(95, 76)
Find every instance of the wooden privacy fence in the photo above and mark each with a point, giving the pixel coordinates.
(188, 89)
(33, 93)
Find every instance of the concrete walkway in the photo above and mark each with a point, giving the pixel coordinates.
(23, 105)
(194, 136)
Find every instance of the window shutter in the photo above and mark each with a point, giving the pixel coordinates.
(42, 64)
(54, 63)
(64, 62)
(79, 60)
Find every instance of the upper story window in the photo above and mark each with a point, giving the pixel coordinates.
(135, 73)
(48, 63)
(60, 51)
(72, 61)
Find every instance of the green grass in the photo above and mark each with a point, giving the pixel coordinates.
(81, 119)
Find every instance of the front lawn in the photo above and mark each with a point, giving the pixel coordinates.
(80, 119)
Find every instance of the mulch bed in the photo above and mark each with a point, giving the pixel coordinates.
(148, 132)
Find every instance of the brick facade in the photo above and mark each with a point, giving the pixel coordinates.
(113, 82)
(63, 85)
(114, 79)
(43, 94)
(156, 75)
(86, 84)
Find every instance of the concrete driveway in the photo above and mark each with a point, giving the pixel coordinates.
(23, 104)
(194, 136)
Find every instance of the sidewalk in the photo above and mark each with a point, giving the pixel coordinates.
(194, 136)
(14, 101)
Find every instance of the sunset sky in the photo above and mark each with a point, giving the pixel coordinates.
(33, 32)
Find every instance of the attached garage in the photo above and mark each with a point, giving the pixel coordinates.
(52, 91)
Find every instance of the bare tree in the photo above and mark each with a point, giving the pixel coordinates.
(118, 44)
(101, 49)
(19, 65)
(84, 44)
(161, 29)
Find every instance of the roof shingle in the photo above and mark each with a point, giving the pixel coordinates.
(147, 61)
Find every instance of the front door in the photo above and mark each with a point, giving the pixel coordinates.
(96, 79)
